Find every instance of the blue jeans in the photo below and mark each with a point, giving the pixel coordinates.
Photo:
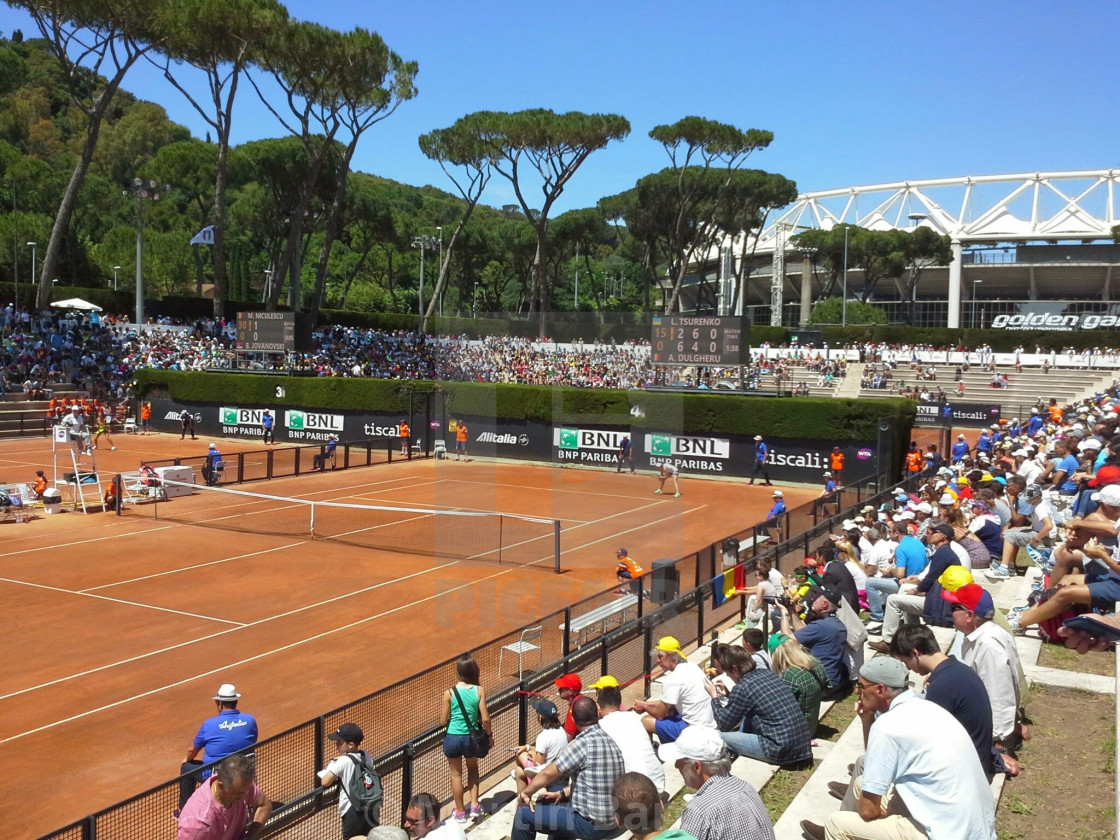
(745, 743)
(559, 822)
(877, 591)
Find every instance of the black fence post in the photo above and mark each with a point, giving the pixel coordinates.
(522, 712)
(89, 828)
(700, 615)
(268, 463)
(406, 775)
(320, 736)
(566, 647)
(240, 467)
(604, 666)
(647, 662)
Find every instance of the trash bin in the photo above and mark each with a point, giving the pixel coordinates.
(665, 582)
(52, 500)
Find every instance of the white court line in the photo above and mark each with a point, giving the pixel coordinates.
(253, 658)
(209, 636)
(118, 601)
(548, 489)
(82, 542)
(190, 568)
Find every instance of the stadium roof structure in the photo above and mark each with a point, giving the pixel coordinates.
(1035, 235)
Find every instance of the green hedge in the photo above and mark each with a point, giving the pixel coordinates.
(692, 413)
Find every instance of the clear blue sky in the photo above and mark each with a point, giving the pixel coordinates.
(855, 93)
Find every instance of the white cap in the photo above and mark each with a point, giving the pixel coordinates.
(1020, 453)
(947, 499)
(1108, 495)
(695, 743)
(924, 507)
(1090, 443)
(758, 437)
(778, 494)
(213, 446)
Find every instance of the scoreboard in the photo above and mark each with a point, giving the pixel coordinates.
(718, 340)
(266, 332)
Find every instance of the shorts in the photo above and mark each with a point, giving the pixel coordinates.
(625, 574)
(456, 746)
(670, 728)
(1019, 536)
(1104, 590)
(460, 445)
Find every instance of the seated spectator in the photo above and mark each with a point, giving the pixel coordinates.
(229, 804)
(638, 809)
(724, 807)
(626, 730)
(325, 453)
(824, 635)
(755, 643)
(803, 673)
(761, 718)
(684, 695)
(421, 819)
(1037, 533)
(550, 741)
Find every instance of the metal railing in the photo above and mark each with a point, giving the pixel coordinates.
(401, 721)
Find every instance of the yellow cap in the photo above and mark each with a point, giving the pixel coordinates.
(605, 681)
(954, 578)
(668, 644)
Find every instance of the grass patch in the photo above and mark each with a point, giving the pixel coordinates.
(1100, 662)
(785, 784)
(674, 808)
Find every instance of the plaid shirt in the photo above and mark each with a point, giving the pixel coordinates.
(765, 705)
(727, 808)
(808, 690)
(593, 762)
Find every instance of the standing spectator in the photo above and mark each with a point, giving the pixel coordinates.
(268, 422)
(461, 435)
(229, 806)
(223, 734)
(724, 807)
(593, 762)
(343, 769)
(625, 454)
(684, 695)
(626, 730)
(421, 819)
(761, 456)
(186, 421)
(146, 418)
(466, 695)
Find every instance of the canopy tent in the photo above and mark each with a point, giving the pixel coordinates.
(76, 303)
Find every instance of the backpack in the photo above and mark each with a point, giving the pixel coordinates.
(364, 788)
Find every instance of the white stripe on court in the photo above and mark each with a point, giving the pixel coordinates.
(191, 568)
(249, 659)
(82, 542)
(250, 624)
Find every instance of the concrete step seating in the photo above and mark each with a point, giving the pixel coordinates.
(20, 417)
(803, 374)
(814, 802)
(1023, 391)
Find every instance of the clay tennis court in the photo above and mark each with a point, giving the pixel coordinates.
(118, 630)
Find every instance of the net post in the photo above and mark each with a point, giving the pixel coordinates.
(312, 523)
(556, 545)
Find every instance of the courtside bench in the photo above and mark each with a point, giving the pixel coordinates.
(603, 617)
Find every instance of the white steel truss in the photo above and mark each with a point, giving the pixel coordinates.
(1041, 206)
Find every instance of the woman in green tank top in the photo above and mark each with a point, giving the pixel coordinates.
(456, 743)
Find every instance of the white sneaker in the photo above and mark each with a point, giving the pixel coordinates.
(676, 495)
(658, 492)
(997, 573)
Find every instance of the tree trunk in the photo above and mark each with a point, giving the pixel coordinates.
(219, 249)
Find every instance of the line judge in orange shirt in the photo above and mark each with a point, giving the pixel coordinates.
(461, 433)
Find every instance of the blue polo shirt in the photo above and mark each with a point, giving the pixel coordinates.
(226, 733)
(911, 555)
(777, 510)
(826, 639)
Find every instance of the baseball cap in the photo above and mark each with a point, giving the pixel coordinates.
(668, 644)
(825, 591)
(1020, 453)
(347, 732)
(954, 577)
(1033, 491)
(827, 472)
(924, 507)
(945, 530)
(974, 597)
(622, 551)
(545, 708)
(1108, 474)
(571, 681)
(605, 681)
(38, 472)
(227, 692)
(1089, 443)
(775, 640)
(885, 670)
(695, 743)
(1109, 495)
(960, 437)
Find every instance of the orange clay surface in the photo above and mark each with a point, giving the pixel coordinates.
(118, 630)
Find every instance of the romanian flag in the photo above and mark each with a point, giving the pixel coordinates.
(728, 585)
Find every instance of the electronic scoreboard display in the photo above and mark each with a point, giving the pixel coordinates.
(718, 340)
(266, 332)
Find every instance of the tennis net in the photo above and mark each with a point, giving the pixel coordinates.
(504, 538)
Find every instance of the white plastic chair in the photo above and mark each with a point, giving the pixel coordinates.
(530, 640)
(130, 426)
(439, 449)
